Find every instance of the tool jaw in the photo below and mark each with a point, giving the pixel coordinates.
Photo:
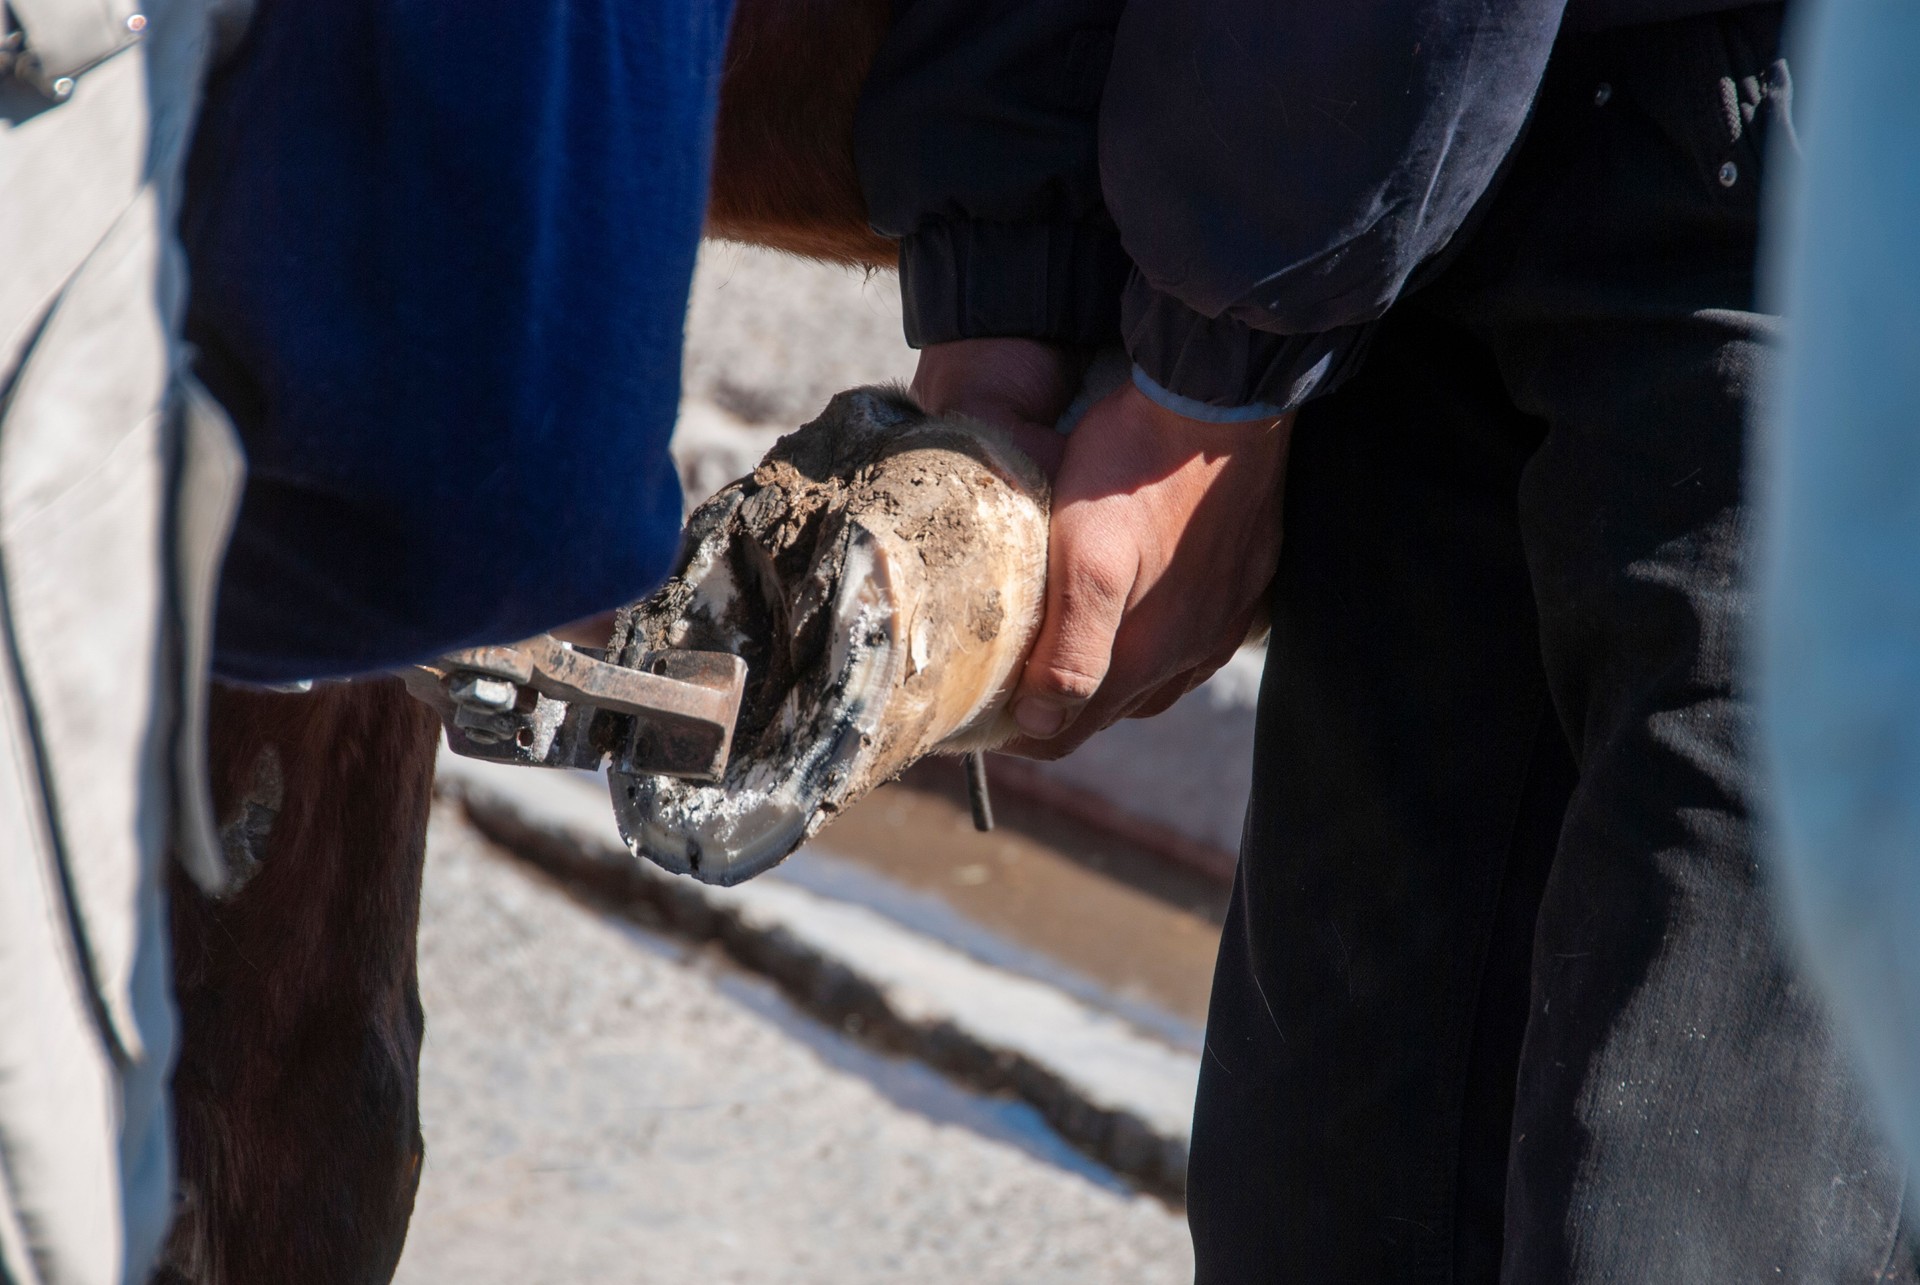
(548, 703)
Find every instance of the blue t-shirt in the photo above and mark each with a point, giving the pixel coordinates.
(440, 257)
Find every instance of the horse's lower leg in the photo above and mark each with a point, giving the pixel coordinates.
(296, 1094)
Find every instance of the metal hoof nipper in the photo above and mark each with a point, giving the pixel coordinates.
(547, 703)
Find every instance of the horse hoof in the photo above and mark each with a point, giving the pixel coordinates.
(883, 574)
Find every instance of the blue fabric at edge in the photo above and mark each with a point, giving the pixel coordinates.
(440, 261)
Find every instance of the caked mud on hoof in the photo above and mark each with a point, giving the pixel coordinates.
(882, 572)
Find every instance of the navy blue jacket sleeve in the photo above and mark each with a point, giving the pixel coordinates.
(440, 257)
(1275, 173)
(976, 148)
(1279, 171)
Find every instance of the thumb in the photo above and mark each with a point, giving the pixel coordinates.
(1087, 588)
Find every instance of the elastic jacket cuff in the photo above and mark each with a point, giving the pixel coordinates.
(961, 279)
(1188, 408)
(1224, 365)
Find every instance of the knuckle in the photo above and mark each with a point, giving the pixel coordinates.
(1066, 680)
(1092, 582)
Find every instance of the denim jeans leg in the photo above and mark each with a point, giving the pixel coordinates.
(1400, 791)
(1682, 1112)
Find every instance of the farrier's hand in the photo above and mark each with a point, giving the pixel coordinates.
(1023, 385)
(1164, 540)
(1165, 535)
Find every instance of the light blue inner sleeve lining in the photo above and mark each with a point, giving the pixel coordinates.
(1202, 411)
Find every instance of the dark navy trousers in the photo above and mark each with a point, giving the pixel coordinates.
(1500, 995)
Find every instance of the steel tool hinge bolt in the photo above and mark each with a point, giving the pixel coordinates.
(1729, 174)
(62, 88)
(496, 694)
(136, 23)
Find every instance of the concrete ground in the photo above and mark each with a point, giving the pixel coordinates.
(770, 338)
(604, 1104)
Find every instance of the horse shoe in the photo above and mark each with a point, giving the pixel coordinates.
(882, 572)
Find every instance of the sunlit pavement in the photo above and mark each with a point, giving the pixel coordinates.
(605, 1104)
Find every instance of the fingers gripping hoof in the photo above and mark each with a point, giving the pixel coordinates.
(883, 574)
